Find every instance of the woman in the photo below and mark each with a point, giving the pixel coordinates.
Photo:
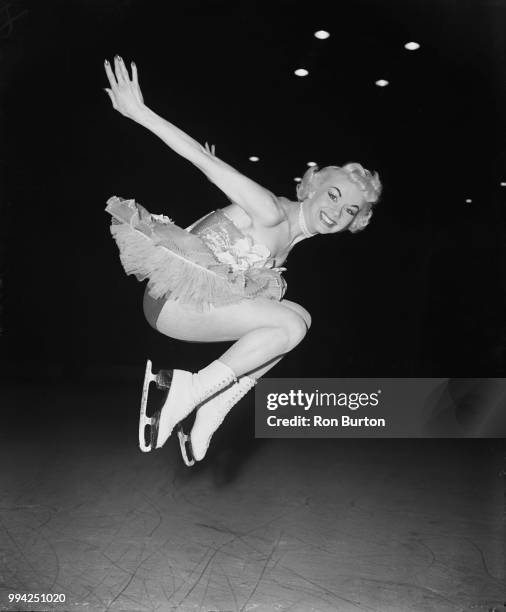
(220, 279)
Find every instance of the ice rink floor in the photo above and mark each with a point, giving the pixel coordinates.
(261, 525)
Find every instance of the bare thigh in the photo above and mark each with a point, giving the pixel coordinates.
(227, 323)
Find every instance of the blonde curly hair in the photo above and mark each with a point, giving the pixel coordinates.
(369, 184)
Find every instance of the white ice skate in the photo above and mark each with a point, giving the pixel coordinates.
(211, 415)
(144, 420)
(184, 391)
(185, 446)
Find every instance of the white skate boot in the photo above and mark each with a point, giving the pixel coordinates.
(185, 391)
(211, 415)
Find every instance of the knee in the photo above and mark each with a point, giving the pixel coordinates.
(306, 317)
(299, 310)
(293, 330)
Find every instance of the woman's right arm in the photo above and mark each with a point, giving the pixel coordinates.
(126, 98)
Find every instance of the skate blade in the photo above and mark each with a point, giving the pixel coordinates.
(183, 439)
(144, 420)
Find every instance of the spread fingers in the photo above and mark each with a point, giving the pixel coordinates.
(121, 71)
(110, 74)
(135, 76)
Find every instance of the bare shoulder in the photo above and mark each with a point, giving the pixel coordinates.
(281, 205)
(269, 214)
(277, 211)
(257, 201)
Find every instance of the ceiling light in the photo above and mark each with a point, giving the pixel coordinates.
(503, 183)
(254, 158)
(321, 34)
(412, 46)
(301, 72)
(297, 179)
(381, 83)
(468, 201)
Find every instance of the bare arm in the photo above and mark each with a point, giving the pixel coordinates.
(126, 98)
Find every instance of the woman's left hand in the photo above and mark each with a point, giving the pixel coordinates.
(125, 93)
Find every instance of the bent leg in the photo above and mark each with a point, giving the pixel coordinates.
(304, 314)
(300, 310)
(264, 331)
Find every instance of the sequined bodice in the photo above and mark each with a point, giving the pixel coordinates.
(229, 244)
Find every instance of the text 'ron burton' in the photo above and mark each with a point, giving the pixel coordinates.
(318, 421)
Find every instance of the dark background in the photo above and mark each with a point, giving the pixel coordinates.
(421, 292)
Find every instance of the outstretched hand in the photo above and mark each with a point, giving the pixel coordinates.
(125, 93)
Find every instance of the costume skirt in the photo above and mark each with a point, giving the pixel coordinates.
(179, 265)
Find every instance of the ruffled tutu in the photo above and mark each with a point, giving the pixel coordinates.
(213, 264)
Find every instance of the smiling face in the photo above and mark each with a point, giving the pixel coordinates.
(334, 206)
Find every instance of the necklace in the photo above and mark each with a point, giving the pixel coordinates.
(302, 222)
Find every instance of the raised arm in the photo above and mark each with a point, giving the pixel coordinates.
(126, 98)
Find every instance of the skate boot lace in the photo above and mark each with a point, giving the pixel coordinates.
(213, 390)
(218, 417)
